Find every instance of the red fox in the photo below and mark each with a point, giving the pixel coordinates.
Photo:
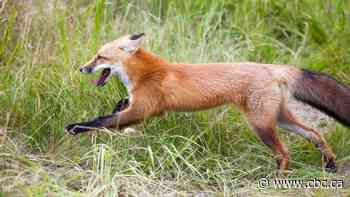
(260, 90)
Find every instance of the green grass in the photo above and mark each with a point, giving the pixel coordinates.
(42, 44)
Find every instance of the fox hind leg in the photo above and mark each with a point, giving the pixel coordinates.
(263, 123)
(268, 135)
(289, 122)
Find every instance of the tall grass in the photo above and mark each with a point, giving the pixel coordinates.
(42, 44)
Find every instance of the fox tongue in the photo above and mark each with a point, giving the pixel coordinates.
(104, 75)
(94, 81)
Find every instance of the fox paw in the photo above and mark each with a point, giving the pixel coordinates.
(131, 131)
(331, 167)
(74, 129)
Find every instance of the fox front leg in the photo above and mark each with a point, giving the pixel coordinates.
(96, 123)
(131, 115)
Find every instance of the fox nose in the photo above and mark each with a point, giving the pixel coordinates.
(85, 70)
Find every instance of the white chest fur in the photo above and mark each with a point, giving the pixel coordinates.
(117, 69)
(120, 72)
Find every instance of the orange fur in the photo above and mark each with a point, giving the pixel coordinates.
(260, 90)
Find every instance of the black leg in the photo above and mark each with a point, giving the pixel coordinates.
(99, 122)
(121, 105)
(331, 166)
(96, 123)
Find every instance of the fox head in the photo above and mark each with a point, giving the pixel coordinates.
(110, 58)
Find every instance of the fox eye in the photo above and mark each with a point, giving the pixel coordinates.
(101, 57)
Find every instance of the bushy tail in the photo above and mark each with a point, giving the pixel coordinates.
(324, 93)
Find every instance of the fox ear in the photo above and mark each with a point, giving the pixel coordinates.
(133, 43)
(137, 36)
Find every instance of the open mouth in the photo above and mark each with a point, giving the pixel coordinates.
(101, 81)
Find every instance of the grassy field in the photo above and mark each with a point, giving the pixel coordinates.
(210, 153)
